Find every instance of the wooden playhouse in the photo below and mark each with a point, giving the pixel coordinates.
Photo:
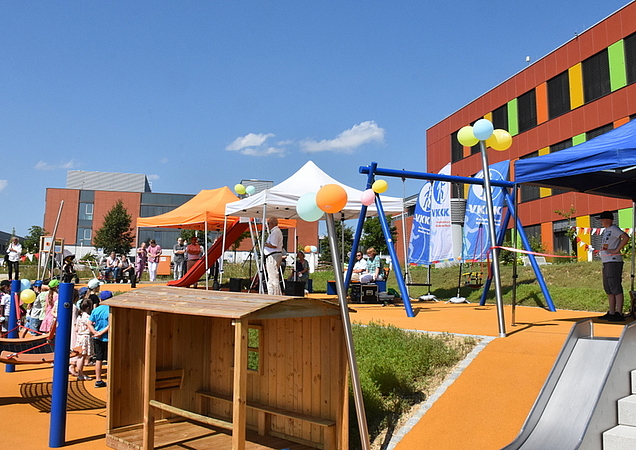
(176, 376)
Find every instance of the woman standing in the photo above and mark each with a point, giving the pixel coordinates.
(14, 251)
(154, 252)
(142, 260)
(193, 251)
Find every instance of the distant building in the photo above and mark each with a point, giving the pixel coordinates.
(4, 241)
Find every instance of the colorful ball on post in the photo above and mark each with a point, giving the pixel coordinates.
(500, 140)
(239, 189)
(27, 296)
(482, 129)
(331, 198)
(466, 137)
(250, 190)
(307, 249)
(368, 197)
(379, 186)
(314, 249)
(25, 284)
(307, 209)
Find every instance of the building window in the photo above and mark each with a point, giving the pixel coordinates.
(527, 111)
(630, 57)
(84, 236)
(457, 149)
(596, 76)
(598, 131)
(527, 192)
(559, 95)
(255, 348)
(500, 117)
(85, 211)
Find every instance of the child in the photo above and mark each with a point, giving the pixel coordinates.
(50, 310)
(83, 340)
(68, 270)
(98, 324)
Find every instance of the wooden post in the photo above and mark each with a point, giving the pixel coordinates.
(150, 369)
(240, 385)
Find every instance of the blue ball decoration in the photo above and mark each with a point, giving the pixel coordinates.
(307, 208)
(482, 129)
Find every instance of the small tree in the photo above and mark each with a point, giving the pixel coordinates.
(325, 250)
(570, 216)
(116, 234)
(31, 243)
(372, 235)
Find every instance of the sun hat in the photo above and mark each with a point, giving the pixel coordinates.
(105, 295)
(606, 215)
(82, 291)
(94, 283)
(54, 283)
(37, 283)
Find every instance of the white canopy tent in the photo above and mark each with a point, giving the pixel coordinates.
(280, 200)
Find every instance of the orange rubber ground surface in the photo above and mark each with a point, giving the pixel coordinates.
(483, 409)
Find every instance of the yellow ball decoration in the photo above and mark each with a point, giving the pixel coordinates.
(379, 186)
(466, 137)
(500, 140)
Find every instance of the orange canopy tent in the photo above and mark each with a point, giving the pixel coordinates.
(208, 206)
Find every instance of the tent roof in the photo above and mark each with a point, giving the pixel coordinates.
(602, 166)
(281, 199)
(207, 206)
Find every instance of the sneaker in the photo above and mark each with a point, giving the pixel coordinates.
(100, 384)
(607, 316)
(617, 317)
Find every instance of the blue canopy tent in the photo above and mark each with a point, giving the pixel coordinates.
(604, 165)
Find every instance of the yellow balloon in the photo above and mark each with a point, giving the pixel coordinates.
(466, 137)
(239, 189)
(379, 186)
(27, 296)
(502, 140)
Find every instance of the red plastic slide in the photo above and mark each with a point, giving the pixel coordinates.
(214, 252)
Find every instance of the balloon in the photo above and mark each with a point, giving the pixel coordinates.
(482, 129)
(307, 248)
(25, 284)
(466, 137)
(367, 197)
(250, 190)
(314, 249)
(307, 209)
(380, 186)
(500, 140)
(239, 189)
(27, 296)
(331, 198)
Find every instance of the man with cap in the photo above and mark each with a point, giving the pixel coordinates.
(613, 241)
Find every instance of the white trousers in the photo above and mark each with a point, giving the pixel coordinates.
(272, 265)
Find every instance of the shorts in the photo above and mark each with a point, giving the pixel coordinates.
(101, 349)
(613, 278)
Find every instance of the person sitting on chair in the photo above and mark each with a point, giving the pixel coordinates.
(374, 268)
(359, 268)
(301, 268)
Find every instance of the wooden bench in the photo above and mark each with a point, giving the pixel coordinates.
(169, 379)
(265, 413)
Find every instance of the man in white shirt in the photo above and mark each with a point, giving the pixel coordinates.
(613, 241)
(273, 252)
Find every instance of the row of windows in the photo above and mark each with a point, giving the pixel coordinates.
(597, 76)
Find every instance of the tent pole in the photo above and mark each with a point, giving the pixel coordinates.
(262, 273)
(633, 238)
(207, 262)
(222, 252)
(407, 272)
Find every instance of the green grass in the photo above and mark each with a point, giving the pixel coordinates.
(396, 367)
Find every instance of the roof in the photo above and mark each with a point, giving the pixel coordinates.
(280, 201)
(223, 304)
(207, 206)
(602, 166)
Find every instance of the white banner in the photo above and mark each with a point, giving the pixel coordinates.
(441, 231)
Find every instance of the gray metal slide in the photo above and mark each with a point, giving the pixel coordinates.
(578, 400)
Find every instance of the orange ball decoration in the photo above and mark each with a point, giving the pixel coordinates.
(331, 198)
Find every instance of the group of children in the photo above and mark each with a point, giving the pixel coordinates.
(89, 329)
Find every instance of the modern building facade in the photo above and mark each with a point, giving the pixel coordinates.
(89, 196)
(579, 91)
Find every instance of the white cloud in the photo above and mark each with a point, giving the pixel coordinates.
(3, 184)
(249, 140)
(348, 140)
(153, 177)
(263, 151)
(41, 165)
(163, 160)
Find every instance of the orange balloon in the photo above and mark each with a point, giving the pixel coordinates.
(331, 198)
(307, 248)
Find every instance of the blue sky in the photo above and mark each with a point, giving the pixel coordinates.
(199, 95)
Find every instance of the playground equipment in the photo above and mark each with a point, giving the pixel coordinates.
(577, 406)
